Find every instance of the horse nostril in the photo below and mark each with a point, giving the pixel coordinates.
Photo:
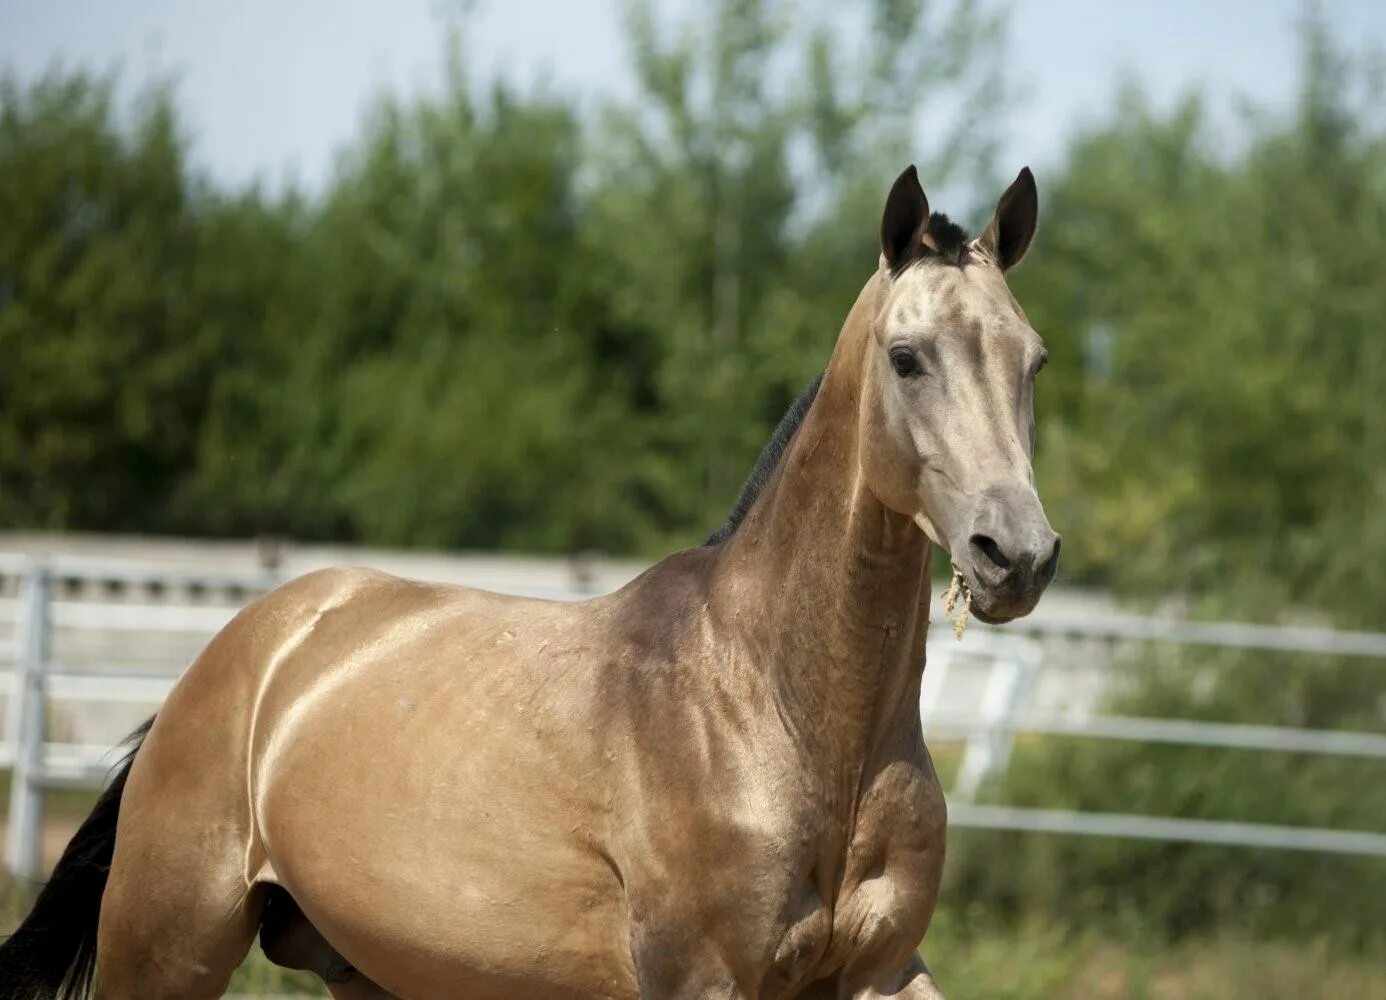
(1051, 565)
(987, 546)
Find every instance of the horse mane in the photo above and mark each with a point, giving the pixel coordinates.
(950, 238)
(947, 242)
(769, 459)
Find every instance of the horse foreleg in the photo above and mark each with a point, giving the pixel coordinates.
(914, 982)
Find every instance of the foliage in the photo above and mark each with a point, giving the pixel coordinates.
(719, 215)
(107, 367)
(1213, 420)
(421, 386)
(1169, 891)
(505, 325)
(502, 326)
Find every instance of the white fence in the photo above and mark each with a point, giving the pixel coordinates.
(982, 690)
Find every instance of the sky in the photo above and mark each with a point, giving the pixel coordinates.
(273, 89)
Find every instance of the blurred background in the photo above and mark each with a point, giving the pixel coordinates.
(513, 294)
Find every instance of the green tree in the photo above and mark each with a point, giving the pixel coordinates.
(735, 208)
(1231, 446)
(437, 377)
(106, 369)
(501, 326)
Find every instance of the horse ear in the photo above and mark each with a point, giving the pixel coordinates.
(1010, 230)
(905, 219)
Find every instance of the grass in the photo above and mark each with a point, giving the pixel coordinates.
(1041, 962)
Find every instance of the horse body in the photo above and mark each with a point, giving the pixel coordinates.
(476, 795)
(378, 790)
(711, 783)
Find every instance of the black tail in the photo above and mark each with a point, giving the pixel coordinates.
(53, 953)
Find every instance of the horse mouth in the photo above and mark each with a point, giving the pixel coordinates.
(991, 607)
(987, 619)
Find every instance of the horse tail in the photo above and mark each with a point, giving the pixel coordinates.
(53, 953)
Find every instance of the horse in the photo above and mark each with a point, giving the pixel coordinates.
(712, 782)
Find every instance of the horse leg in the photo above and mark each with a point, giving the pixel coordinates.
(183, 899)
(162, 937)
(288, 939)
(179, 913)
(914, 982)
(183, 938)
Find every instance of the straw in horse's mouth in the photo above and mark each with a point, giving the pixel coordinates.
(958, 588)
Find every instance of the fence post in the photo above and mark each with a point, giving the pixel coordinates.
(23, 852)
(988, 748)
(939, 660)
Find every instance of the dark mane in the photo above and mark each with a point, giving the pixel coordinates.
(769, 458)
(947, 242)
(950, 238)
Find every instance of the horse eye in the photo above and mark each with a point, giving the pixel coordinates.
(1039, 365)
(904, 362)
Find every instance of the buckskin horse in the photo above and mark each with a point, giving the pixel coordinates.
(710, 783)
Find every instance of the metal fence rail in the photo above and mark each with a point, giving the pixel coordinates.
(1228, 735)
(1011, 658)
(1230, 635)
(1188, 831)
(35, 764)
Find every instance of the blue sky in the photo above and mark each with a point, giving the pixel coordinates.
(273, 88)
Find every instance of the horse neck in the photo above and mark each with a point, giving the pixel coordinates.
(839, 583)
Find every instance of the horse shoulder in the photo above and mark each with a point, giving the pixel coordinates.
(720, 828)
